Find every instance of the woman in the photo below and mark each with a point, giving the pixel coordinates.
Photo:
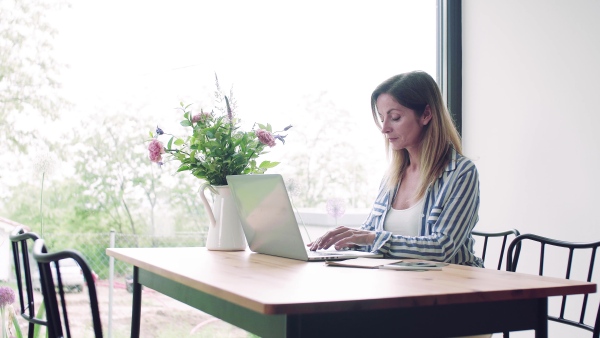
(428, 201)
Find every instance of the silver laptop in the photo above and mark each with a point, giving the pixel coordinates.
(269, 221)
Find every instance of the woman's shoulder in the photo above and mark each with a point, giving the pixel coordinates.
(461, 162)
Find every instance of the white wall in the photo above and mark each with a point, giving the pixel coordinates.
(531, 114)
(531, 118)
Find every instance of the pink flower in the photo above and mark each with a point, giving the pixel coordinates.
(7, 296)
(265, 137)
(203, 116)
(155, 149)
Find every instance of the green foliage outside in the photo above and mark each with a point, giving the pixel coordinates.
(104, 179)
(26, 66)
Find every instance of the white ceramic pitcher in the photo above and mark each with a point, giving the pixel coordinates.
(225, 231)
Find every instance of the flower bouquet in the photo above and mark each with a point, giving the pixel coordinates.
(216, 148)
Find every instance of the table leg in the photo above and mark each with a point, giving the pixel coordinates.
(542, 327)
(136, 308)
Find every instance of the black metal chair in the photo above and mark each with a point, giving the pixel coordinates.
(19, 240)
(503, 234)
(551, 247)
(56, 317)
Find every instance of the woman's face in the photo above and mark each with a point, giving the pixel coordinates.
(400, 125)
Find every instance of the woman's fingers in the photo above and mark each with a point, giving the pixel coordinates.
(326, 243)
(342, 237)
(323, 241)
(357, 238)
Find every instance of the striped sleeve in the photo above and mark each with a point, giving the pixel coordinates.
(450, 213)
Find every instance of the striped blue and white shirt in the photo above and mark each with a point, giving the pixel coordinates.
(449, 215)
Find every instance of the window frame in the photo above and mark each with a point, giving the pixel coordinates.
(449, 56)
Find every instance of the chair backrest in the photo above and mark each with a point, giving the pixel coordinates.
(49, 264)
(19, 240)
(567, 249)
(504, 235)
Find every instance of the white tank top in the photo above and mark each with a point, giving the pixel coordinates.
(404, 222)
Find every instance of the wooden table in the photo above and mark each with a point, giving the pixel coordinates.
(278, 297)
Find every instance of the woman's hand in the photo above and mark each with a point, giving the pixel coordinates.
(343, 237)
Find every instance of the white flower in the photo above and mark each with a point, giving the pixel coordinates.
(44, 163)
(336, 207)
(294, 187)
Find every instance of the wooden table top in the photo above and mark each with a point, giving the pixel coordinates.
(274, 285)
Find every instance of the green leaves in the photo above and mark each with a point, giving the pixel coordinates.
(268, 164)
(15, 323)
(267, 127)
(217, 147)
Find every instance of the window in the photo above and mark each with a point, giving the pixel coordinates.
(312, 64)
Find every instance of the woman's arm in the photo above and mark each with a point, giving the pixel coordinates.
(453, 211)
(358, 239)
(452, 205)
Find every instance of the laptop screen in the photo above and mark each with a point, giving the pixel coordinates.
(267, 215)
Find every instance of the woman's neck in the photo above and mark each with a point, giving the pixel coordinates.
(414, 158)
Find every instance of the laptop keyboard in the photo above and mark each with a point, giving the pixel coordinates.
(321, 253)
(328, 253)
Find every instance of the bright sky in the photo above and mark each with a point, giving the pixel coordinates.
(272, 52)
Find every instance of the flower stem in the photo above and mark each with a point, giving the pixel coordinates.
(4, 335)
(15, 322)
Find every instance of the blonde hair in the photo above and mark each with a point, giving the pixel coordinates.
(417, 90)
